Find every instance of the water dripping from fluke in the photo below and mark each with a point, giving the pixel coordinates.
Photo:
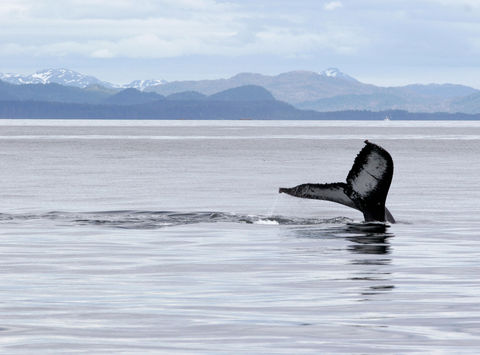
(272, 209)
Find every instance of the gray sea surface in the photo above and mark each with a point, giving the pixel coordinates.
(170, 237)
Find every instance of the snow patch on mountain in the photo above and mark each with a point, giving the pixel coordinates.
(144, 84)
(68, 77)
(12, 78)
(59, 76)
(337, 74)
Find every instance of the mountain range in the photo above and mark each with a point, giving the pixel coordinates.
(69, 77)
(330, 90)
(333, 90)
(245, 102)
(58, 76)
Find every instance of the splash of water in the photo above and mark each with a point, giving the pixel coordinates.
(266, 221)
(272, 209)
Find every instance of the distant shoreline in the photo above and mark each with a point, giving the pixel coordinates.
(247, 102)
(209, 110)
(237, 123)
(411, 117)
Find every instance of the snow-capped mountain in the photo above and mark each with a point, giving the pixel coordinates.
(328, 90)
(335, 73)
(143, 84)
(292, 87)
(69, 77)
(12, 78)
(59, 76)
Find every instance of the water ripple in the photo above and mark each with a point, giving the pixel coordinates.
(135, 219)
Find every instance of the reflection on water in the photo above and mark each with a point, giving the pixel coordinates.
(374, 268)
(370, 243)
(376, 271)
(362, 242)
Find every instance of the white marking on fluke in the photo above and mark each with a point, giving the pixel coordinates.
(366, 188)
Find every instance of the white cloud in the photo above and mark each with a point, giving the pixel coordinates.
(124, 9)
(363, 33)
(199, 41)
(12, 8)
(164, 29)
(469, 4)
(290, 43)
(332, 5)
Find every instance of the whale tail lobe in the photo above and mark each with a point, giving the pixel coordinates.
(366, 188)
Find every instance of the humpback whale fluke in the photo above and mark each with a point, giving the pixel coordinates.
(366, 188)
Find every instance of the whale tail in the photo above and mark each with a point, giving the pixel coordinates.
(366, 188)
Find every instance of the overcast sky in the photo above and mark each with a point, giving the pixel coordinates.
(392, 42)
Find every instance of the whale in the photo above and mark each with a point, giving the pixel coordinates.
(366, 188)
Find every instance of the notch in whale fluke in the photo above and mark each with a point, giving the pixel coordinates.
(366, 188)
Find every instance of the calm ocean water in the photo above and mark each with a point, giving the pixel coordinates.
(170, 237)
